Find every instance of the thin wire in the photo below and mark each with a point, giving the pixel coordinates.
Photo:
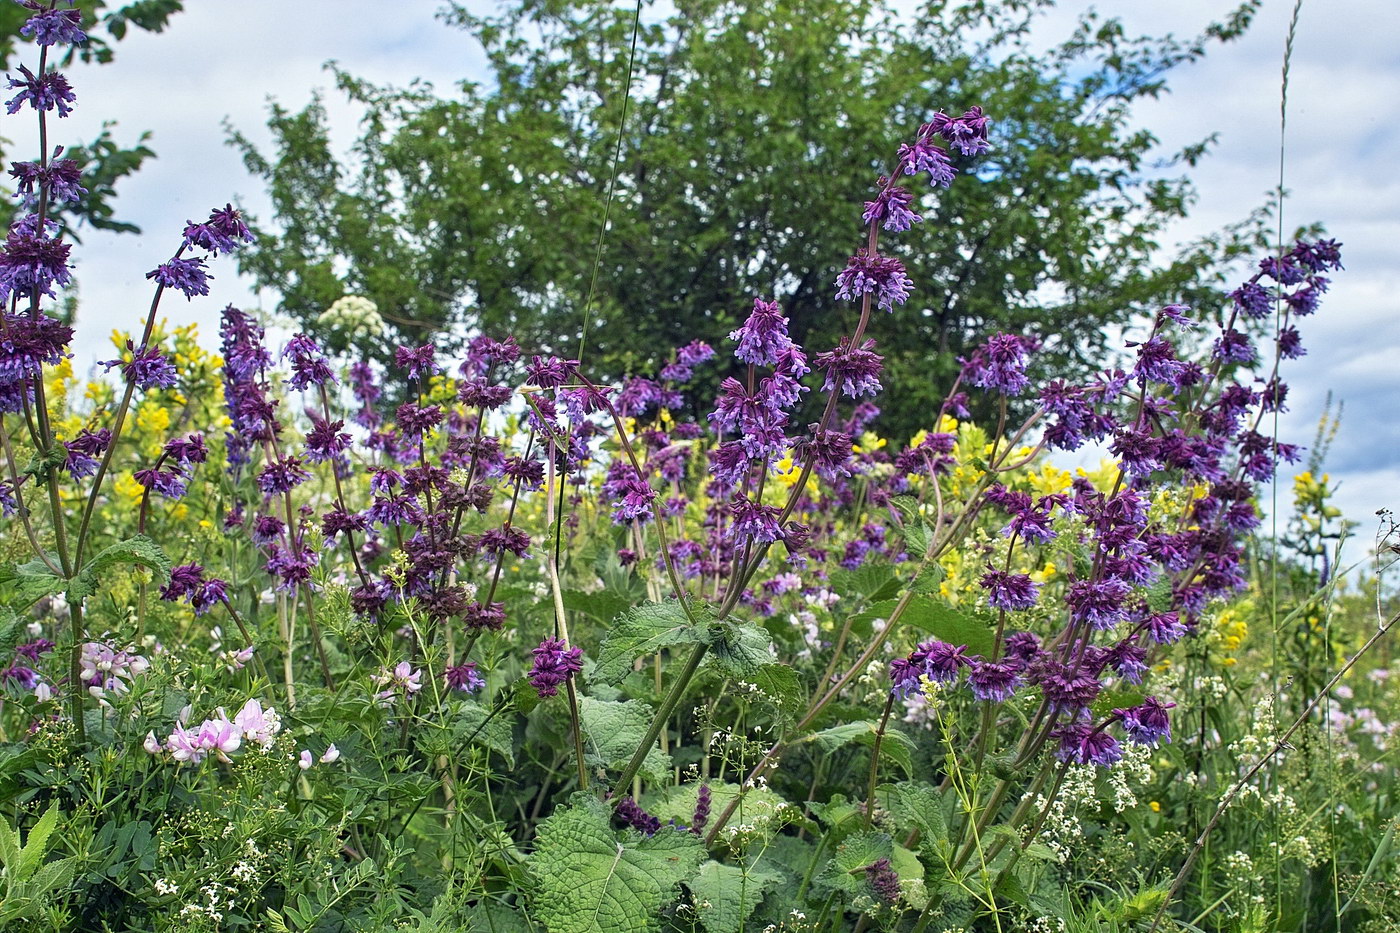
(598, 255)
(612, 183)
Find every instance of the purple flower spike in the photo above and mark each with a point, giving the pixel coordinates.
(1010, 591)
(554, 664)
(53, 26)
(1082, 744)
(549, 372)
(464, 677)
(881, 276)
(148, 369)
(223, 232)
(925, 156)
(967, 133)
(631, 814)
(47, 91)
(187, 276)
(764, 337)
(1149, 723)
(891, 207)
(855, 370)
(993, 681)
(883, 879)
(32, 261)
(1000, 363)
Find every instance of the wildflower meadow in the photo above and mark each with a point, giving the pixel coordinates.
(295, 636)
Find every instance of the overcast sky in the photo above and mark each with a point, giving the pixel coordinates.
(226, 60)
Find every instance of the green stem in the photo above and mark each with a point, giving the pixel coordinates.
(875, 761)
(663, 713)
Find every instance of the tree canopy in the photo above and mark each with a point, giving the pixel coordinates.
(752, 133)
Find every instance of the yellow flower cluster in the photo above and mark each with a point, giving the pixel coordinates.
(1227, 634)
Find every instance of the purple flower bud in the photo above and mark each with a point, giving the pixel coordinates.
(702, 810)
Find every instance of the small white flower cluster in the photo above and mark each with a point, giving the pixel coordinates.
(1062, 831)
(1132, 772)
(354, 316)
(761, 816)
(1260, 739)
(1047, 925)
(217, 899)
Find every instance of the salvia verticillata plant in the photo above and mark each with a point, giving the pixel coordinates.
(509, 647)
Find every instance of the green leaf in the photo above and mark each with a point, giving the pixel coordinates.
(612, 730)
(30, 582)
(917, 533)
(856, 852)
(644, 630)
(782, 685)
(740, 650)
(603, 605)
(725, 895)
(935, 616)
(1109, 700)
(870, 582)
(589, 877)
(916, 806)
(496, 735)
(138, 549)
(895, 744)
(32, 855)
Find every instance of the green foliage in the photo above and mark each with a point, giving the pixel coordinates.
(612, 731)
(726, 895)
(137, 550)
(644, 630)
(30, 881)
(589, 877)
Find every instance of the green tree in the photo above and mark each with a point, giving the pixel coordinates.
(753, 132)
(104, 160)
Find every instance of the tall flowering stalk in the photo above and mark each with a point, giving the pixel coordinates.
(33, 263)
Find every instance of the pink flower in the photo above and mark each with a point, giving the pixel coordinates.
(403, 679)
(220, 736)
(258, 725)
(305, 761)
